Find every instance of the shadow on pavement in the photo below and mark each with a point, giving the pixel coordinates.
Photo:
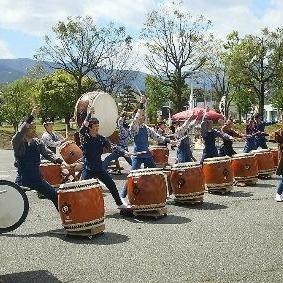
(263, 185)
(30, 277)
(169, 219)
(203, 206)
(106, 238)
(241, 194)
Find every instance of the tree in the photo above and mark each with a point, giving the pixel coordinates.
(58, 95)
(216, 71)
(18, 98)
(79, 47)
(176, 44)
(128, 99)
(158, 95)
(255, 62)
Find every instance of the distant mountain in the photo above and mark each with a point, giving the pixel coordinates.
(13, 69)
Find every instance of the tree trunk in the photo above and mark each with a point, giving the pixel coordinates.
(67, 122)
(261, 100)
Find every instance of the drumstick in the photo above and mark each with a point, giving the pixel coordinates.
(138, 153)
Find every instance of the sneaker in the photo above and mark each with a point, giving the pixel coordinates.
(278, 198)
(124, 206)
(124, 201)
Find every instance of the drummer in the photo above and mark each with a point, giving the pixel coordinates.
(121, 149)
(251, 132)
(50, 138)
(92, 145)
(27, 149)
(161, 130)
(227, 146)
(260, 137)
(141, 134)
(184, 153)
(209, 135)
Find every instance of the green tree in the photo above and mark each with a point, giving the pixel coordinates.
(18, 97)
(255, 62)
(81, 48)
(177, 47)
(58, 95)
(158, 95)
(128, 99)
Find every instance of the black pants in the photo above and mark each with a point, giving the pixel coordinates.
(104, 177)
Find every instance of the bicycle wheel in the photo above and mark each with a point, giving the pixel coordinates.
(14, 206)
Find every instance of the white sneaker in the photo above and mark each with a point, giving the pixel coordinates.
(278, 198)
(124, 206)
(124, 201)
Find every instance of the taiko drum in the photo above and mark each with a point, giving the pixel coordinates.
(81, 205)
(147, 189)
(218, 173)
(275, 155)
(264, 161)
(70, 152)
(51, 173)
(245, 168)
(160, 155)
(187, 181)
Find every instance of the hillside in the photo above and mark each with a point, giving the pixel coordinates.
(13, 69)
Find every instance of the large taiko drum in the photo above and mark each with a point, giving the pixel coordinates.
(160, 155)
(51, 173)
(14, 206)
(275, 155)
(245, 168)
(103, 107)
(265, 162)
(147, 189)
(81, 205)
(70, 152)
(187, 181)
(218, 174)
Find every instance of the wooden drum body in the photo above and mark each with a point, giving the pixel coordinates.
(51, 173)
(275, 155)
(70, 152)
(218, 174)
(187, 181)
(81, 205)
(160, 155)
(245, 168)
(265, 162)
(147, 189)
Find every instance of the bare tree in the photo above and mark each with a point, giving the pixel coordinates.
(176, 44)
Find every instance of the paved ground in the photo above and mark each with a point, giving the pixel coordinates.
(230, 238)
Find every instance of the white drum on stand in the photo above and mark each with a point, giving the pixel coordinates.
(14, 206)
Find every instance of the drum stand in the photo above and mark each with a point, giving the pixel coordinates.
(220, 190)
(156, 213)
(84, 233)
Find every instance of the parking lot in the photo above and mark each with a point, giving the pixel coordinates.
(234, 237)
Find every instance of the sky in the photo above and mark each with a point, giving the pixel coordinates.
(23, 23)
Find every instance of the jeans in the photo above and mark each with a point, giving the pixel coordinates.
(115, 154)
(280, 187)
(105, 178)
(136, 164)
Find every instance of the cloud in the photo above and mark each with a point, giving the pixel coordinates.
(5, 53)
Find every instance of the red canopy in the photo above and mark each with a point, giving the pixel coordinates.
(197, 112)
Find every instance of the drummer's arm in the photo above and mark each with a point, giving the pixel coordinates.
(84, 128)
(155, 136)
(134, 126)
(223, 135)
(18, 138)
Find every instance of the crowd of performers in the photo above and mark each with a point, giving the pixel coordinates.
(29, 149)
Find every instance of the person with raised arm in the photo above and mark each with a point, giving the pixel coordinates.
(27, 150)
(92, 145)
(209, 135)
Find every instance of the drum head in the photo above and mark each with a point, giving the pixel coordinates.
(105, 110)
(14, 206)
